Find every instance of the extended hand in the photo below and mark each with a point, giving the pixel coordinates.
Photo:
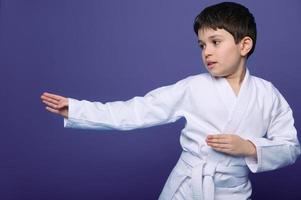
(56, 104)
(231, 144)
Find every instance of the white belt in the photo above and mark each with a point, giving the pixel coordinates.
(202, 176)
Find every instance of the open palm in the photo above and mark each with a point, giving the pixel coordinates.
(55, 103)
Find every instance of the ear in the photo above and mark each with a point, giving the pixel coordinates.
(246, 45)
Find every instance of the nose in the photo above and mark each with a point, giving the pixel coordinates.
(207, 51)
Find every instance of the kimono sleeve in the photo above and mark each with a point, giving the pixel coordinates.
(159, 106)
(280, 147)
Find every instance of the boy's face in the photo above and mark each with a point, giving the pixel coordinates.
(221, 56)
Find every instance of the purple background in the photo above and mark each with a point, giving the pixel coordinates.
(114, 50)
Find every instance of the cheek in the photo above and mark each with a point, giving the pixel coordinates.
(229, 54)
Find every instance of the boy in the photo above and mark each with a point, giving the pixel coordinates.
(235, 122)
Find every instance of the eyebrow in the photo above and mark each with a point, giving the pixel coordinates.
(210, 37)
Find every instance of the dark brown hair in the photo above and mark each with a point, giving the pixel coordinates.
(233, 17)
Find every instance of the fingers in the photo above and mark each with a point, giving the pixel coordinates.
(54, 101)
(223, 148)
(52, 96)
(50, 104)
(52, 110)
(219, 142)
(220, 139)
(218, 136)
(219, 146)
(44, 98)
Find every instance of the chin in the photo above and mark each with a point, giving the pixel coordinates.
(218, 71)
(217, 74)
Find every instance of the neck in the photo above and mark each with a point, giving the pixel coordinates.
(237, 77)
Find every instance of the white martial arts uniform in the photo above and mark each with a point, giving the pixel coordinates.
(259, 113)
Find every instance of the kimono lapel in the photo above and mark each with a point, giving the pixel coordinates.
(235, 105)
(240, 105)
(225, 93)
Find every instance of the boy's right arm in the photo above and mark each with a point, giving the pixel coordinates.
(159, 106)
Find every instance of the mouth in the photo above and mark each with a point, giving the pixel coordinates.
(211, 64)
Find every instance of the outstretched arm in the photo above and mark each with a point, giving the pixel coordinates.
(55, 103)
(159, 106)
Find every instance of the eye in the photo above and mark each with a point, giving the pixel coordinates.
(201, 46)
(216, 42)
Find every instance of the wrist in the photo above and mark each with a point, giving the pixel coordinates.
(250, 149)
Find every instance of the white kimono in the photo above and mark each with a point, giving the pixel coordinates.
(259, 113)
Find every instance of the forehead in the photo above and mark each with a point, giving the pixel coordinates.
(209, 33)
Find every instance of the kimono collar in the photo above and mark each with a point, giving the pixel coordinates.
(226, 93)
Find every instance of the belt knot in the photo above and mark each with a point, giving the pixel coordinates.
(209, 169)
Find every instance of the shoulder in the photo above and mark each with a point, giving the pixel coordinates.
(196, 78)
(270, 91)
(262, 83)
(264, 87)
(200, 77)
(184, 84)
(195, 82)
